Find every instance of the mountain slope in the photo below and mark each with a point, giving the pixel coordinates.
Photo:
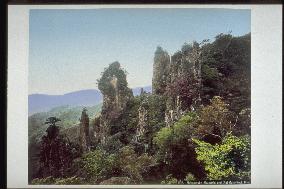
(68, 115)
(42, 102)
(91, 97)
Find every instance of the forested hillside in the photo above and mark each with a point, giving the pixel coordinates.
(70, 119)
(193, 127)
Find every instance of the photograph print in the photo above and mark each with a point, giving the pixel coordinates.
(139, 96)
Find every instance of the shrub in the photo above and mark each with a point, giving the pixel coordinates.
(171, 180)
(175, 148)
(229, 160)
(189, 178)
(134, 166)
(59, 181)
(69, 181)
(116, 180)
(46, 180)
(97, 165)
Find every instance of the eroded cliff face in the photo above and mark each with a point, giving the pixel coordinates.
(186, 65)
(116, 95)
(142, 123)
(150, 119)
(101, 130)
(179, 79)
(84, 137)
(160, 71)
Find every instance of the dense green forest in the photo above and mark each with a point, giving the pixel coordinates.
(193, 128)
(37, 128)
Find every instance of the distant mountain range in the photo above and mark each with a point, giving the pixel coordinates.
(90, 97)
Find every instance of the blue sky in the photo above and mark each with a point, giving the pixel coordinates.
(70, 48)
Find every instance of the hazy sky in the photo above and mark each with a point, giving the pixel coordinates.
(70, 48)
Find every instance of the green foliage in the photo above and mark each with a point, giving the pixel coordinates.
(174, 142)
(156, 109)
(97, 165)
(189, 178)
(70, 181)
(186, 48)
(56, 153)
(215, 119)
(104, 83)
(132, 165)
(164, 137)
(58, 181)
(40, 181)
(46, 180)
(186, 88)
(124, 128)
(211, 142)
(180, 131)
(117, 97)
(175, 149)
(171, 180)
(68, 115)
(184, 79)
(161, 65)
(155, 106)
(33, 158)
(210, 74)
(127, 121)
(243, 125)
(117, 181)
(113, 143)
(226, 70)
(229, 160)
(52, 120)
